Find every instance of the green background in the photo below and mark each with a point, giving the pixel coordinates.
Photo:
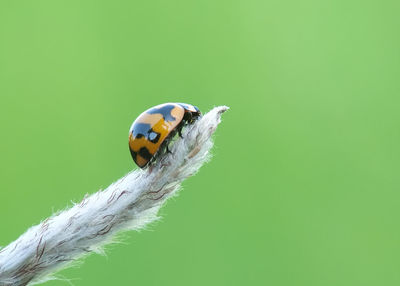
(303, 188)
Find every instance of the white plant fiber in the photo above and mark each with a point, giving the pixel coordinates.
(130, 203)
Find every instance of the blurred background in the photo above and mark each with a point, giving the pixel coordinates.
(303, 188)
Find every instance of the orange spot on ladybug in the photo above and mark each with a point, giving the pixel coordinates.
(140, 161)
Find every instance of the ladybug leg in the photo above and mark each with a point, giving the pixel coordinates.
(179, 129)
(168, 151)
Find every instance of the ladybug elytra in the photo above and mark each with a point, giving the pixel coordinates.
(152, 131)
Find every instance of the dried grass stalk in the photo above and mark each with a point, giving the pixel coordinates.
(130, 203)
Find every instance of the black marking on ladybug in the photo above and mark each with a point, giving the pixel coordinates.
(144, 152)
(140, 130)
(153, 136)
(165, 111)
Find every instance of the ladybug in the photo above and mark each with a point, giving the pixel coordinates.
(152, 131)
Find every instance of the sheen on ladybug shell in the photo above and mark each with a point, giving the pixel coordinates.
(151, 132)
